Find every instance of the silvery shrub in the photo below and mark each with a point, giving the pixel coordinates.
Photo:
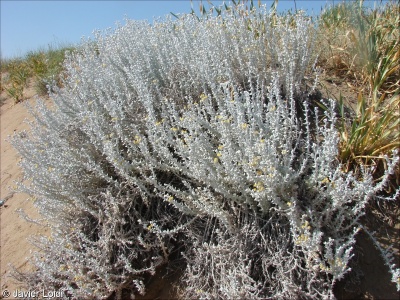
(199, 138)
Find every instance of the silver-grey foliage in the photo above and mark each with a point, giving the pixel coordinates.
(197, 134)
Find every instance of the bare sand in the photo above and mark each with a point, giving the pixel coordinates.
(14, 231)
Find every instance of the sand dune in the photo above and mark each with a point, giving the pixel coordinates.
(14, 231)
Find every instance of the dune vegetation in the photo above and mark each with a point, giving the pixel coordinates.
(210, 142)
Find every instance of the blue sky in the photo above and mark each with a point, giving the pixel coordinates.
(32, 25)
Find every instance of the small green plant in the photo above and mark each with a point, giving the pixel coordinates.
(15, 92)
(17, 79)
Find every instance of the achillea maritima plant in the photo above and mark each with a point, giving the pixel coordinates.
(192, 133)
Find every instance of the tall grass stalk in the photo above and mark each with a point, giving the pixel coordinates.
(365, 47)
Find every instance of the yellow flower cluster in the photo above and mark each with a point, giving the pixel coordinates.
(323, 267)
(78, 278)
(306, 226)
(302, 239)
(224, 119)
(255, 161)
(333, 263)
(137, 140)
(338, 262)
(326, 180)
(203, 97)
(258, 186)
(63, 268)
(158, 123)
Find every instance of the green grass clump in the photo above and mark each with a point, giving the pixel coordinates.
(16, 79)
(47, 67)
(42, 66)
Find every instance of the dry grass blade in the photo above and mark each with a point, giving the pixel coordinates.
(372, 134)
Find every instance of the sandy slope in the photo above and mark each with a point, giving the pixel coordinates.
(14, 231)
